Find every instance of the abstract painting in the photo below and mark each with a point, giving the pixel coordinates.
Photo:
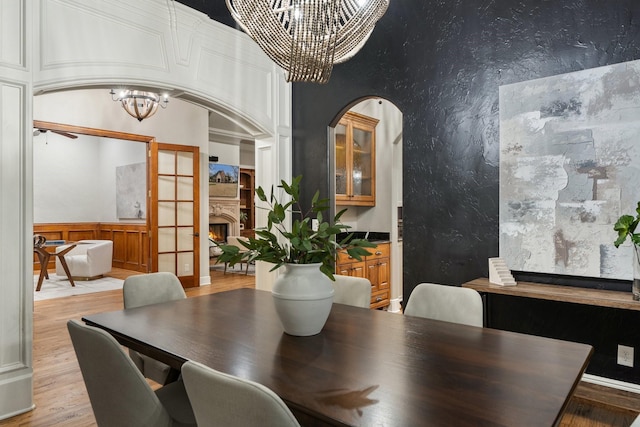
(569, 167)
(131, 189)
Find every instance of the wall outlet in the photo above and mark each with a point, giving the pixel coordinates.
(314, 224)
(625, 355)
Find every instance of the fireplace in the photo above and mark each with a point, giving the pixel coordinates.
(223, 218)
(219, 232)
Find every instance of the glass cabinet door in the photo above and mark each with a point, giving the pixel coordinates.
(361, 173)
(355, 160)
(341, 159)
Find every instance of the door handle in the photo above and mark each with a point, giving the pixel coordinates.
(196, 234)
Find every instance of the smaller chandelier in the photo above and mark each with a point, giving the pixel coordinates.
(140, 104)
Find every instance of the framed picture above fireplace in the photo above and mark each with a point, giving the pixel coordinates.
(223, 180)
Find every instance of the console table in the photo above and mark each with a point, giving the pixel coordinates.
(595, 297)
(601, 318)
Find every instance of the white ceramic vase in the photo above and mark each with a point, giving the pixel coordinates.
(303, 296)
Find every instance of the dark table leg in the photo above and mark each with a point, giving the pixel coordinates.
(64, 264)
(44, 260)
(43, 257)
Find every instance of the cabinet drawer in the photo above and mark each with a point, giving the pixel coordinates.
(382, 251)
(380, 299)
(345, 258)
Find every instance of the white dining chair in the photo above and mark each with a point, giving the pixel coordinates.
(146, 289)
(355, 291)
(447, 303)
(119, 394)
(219, 399)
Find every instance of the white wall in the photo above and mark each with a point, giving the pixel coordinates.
(228, 154)
(74, 180)
(247, 155)
(65, 179)
(241, 153)
(114, 153)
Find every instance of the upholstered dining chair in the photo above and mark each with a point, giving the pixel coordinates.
(448, 303)
(219, 399)
(119, 394)
(146, 289)
(354, 291)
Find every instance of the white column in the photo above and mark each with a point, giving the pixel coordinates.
(16, 216)
(273, 163)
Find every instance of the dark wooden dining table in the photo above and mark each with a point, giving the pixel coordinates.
(366, 367)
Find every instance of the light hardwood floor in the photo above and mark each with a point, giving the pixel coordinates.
(61, 398)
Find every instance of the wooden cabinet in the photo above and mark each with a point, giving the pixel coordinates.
(355, 155)
(349, 266)
(247, 208)
(379, 273)
(375, 267)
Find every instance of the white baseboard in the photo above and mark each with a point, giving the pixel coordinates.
(608, 382)
(16, 393)
(394, 305)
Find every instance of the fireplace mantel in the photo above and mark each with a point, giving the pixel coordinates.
(225, 211)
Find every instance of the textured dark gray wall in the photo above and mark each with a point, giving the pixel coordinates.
(441, 63)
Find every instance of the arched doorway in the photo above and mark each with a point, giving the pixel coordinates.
(380, 218)
(53, 46)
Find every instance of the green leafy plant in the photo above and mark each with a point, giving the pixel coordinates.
(301, 244)
(626, 227)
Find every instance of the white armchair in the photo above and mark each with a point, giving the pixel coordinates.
(89, 259)
(235, 241)
(214, 248)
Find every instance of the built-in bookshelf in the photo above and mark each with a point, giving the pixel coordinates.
(247, 204)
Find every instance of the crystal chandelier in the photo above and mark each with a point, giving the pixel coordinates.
(307, 37)
(140, 104)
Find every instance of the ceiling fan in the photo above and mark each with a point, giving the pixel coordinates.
(38, 131)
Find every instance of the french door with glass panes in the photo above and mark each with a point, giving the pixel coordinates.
(174, 229)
